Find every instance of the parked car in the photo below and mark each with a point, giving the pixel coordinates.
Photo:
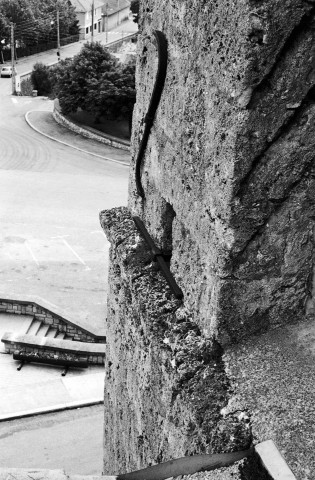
(6, 72)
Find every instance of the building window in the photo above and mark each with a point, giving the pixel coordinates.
(95, 26)
(87, 30)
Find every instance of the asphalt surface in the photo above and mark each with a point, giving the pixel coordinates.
(44, 123)
(70, 440)
(51, 243)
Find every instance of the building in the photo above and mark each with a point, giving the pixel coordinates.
(107, 14)
(114, 13)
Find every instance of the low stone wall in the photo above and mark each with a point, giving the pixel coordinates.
(89, 132)
(95, 353)
(46, 316)
(114, 47)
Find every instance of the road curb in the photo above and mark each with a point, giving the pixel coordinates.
(68, 144)
(55, 408)
(89, 132)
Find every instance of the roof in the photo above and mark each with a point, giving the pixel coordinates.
(86, 5)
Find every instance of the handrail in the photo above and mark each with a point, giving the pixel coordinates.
(154, 102)
(186, 466)
(158, 256)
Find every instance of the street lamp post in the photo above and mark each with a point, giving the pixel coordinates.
(92, 39)
(12, 59)
(2, 43)
(58, 32)
(58, 35)
(106, 22)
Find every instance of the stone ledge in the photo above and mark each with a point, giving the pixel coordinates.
(273, 461)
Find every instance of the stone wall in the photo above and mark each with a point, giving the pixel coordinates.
(89, 132)
(231, 153)
(228, 181)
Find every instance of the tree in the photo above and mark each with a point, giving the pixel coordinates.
(134, 7)
(96, 82)
(35, 20)
(80, 78)
(40, 78)
(4, 34)
(116, 94)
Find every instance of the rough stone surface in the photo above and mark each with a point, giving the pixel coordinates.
(273, 377)
(231, 151)
(228, 176)
(165, 383)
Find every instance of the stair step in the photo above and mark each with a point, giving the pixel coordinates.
(42, 331)
(61, 335)
(11, 322)
(34, 327)
(67, 337)
(52, 332)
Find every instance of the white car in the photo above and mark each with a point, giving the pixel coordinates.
(6, 72)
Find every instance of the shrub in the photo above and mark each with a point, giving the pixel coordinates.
(97, 83)
(26, 87)
(40, 79)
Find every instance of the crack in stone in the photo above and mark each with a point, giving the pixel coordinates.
(283, 130)
(304, 24)
(277, 205)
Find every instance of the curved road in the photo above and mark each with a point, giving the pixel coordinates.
(51, 243)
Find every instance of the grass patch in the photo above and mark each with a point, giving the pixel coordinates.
(116, 128)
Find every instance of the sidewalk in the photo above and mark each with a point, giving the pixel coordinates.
(41, 388)
(44, 123)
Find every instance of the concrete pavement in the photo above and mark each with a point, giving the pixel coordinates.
(70, 440)
(51, 243)
(41, 388)
(60, 191)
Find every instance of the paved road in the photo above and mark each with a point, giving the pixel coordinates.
(71, 440)
(51, 243)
